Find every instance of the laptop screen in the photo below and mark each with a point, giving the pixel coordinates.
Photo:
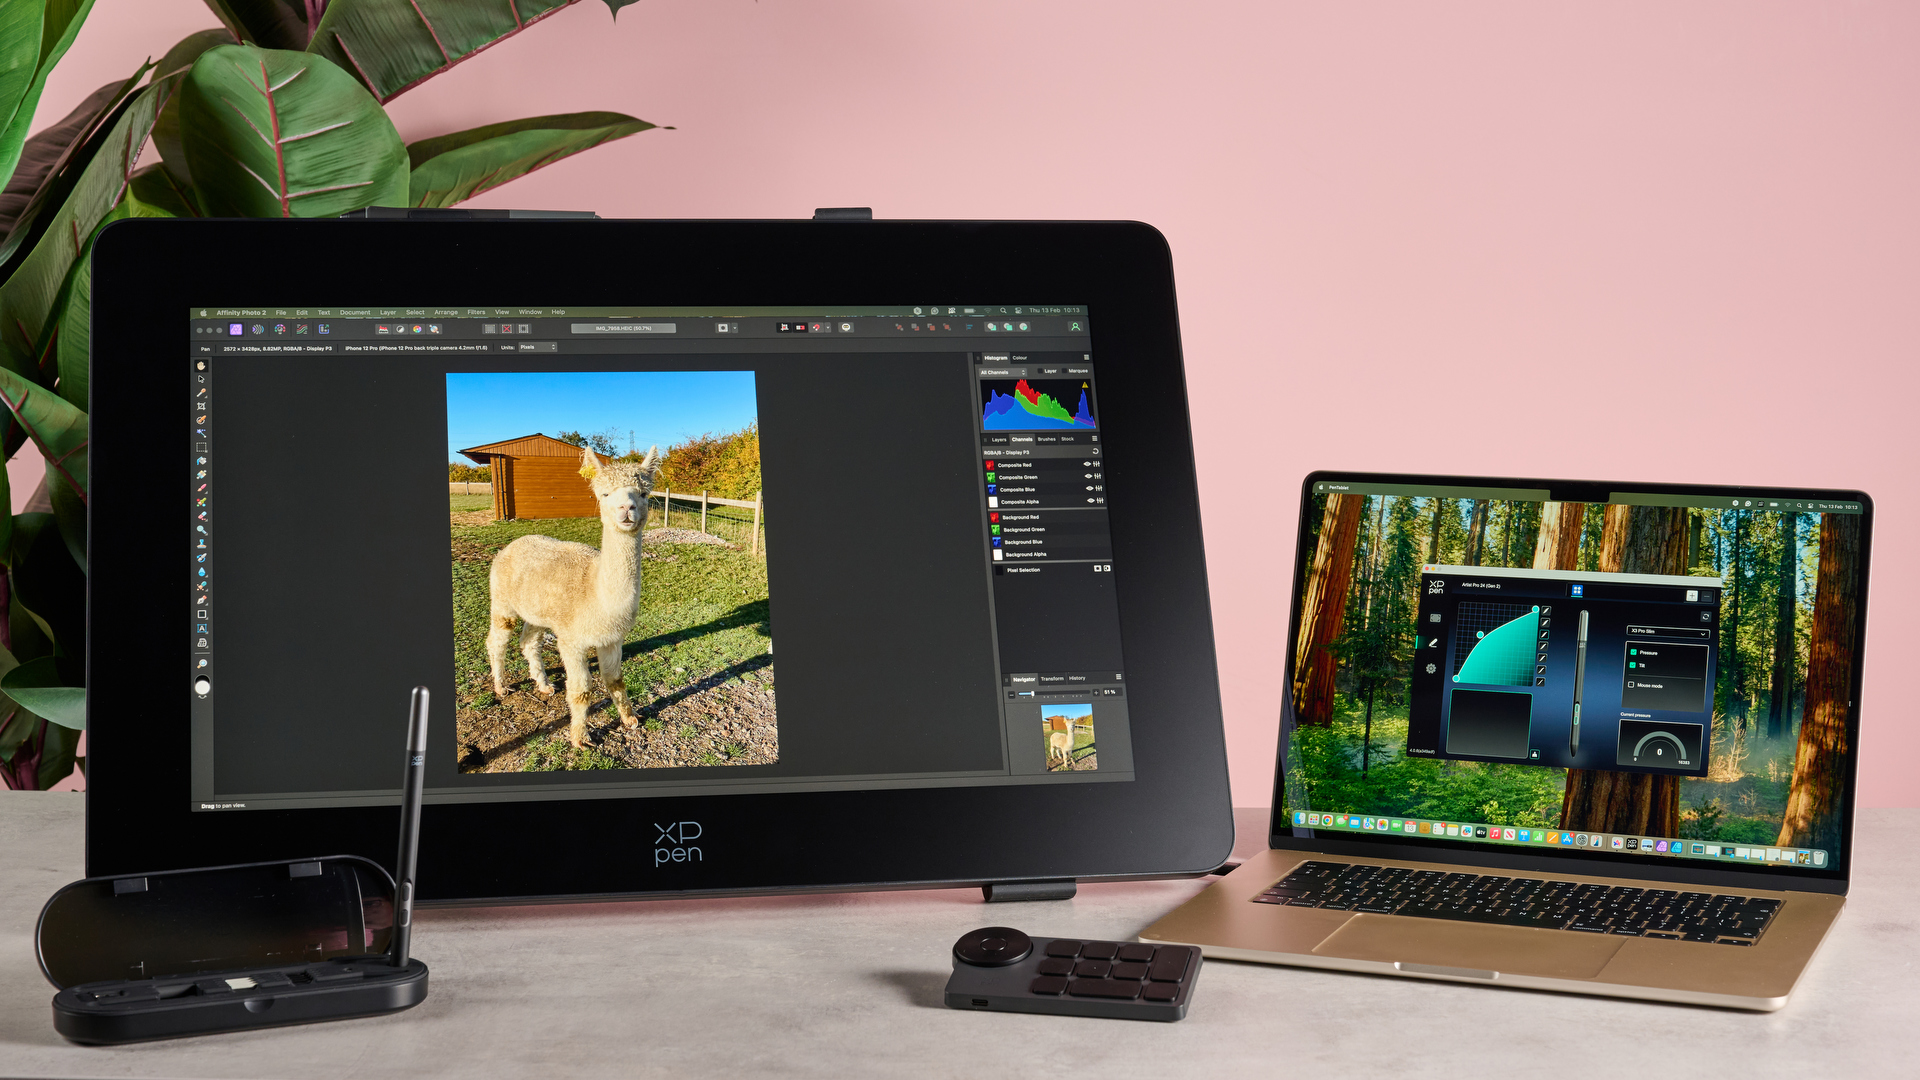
(648, 513)
(1659, 675)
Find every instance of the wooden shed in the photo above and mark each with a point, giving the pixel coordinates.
(535, 476)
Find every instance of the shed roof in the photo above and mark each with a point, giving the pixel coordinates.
(534, 445)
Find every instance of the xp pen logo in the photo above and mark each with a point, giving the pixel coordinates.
(672, 845)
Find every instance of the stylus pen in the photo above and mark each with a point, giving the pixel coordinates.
(1579, 683)
(410, 789)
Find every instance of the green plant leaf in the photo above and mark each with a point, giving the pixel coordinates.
(39, 685)
(69, 164)
(454, 168)
(155, 187)
(57, 754)
(57, 429)
(270, 133)
(48, 150)
(59, 21)
(19, 52)
(166, 126)
(67, 334)
(271, 24)
(615, 6)
(49, 588)
(28, 294)
(394, 45)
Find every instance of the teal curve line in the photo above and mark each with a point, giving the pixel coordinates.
(1507, 647)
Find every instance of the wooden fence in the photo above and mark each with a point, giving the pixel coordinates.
(740, 521)
(725, 518)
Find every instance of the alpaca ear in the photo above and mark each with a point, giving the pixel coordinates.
(652, 459)
(589, 464)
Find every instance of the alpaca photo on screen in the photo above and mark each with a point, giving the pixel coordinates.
(611, 606)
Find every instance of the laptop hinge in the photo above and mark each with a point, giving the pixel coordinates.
(843, 213)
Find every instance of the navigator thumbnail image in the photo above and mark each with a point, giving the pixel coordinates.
(597, 627)
(1069, 734)
(1036, 404)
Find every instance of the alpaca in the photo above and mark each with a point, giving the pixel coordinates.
(585, 598)
(1060, 745)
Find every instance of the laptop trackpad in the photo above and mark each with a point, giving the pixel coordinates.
(1472, 946)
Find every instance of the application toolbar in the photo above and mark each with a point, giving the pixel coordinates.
(1433, 829)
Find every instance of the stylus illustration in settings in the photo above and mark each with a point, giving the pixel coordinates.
(1579, 684)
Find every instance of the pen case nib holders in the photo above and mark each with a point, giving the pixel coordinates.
(223, 948)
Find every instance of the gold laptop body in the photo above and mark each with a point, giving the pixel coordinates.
(1227, 924)
(1559, 735)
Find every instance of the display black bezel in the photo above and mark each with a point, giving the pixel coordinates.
(1283, 834)
(1173, 819)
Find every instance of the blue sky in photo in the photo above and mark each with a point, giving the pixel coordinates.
(659, 407)
(1076, 712)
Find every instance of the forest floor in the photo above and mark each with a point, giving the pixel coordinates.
(698, 662)
(1742, 802)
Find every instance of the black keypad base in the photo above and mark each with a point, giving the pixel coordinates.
(1121, 980)
(1721, 918)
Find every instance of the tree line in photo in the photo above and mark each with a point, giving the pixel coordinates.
(725, 465)
(1785, 669)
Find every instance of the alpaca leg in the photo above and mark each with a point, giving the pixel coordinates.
(616, 683)
(530, 648)
(578, 692)
(497, 635)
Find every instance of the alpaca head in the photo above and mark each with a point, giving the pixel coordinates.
(620, 487)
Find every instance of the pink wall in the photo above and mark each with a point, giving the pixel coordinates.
(1676, 242)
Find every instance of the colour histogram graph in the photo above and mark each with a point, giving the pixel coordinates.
(1026, 405)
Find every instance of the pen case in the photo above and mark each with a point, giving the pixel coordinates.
(223, 948)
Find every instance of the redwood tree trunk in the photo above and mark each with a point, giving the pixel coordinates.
(1780, 710)
(1476, 532)
(1813, 802)
(1433, 542)
(1557, 547)
(1323, 610)
(1635, 540)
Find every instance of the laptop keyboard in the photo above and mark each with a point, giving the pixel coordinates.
(1524, 901)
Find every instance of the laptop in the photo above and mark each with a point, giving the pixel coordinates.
(1574, 736)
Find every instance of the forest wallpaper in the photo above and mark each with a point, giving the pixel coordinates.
(1777, 764)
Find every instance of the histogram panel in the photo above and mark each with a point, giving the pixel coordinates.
(1036, 404)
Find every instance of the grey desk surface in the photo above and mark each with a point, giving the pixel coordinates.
(850, 984)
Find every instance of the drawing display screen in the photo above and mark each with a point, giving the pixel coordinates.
(1659, 675)
(679, 551)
